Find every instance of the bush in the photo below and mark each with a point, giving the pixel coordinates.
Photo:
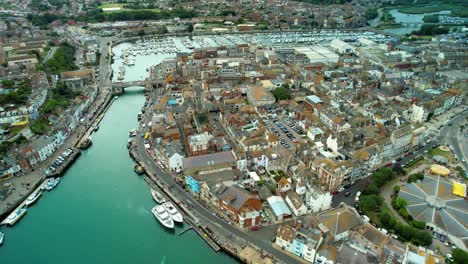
(415, 177)
(460, 256)
(371, 189)
(403, 212)
(418, 224)
(382, 176)
(396, 188)
(370, 203)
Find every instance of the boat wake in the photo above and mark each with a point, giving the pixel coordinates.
(163, 261)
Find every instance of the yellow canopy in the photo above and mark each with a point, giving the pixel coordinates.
(459, 189)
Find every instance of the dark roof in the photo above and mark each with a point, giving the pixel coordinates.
(233, 196)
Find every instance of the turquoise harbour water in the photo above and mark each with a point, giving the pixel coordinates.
(100, 211)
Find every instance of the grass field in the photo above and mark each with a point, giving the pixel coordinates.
(438, 151)
(456, 8)
(109, 5)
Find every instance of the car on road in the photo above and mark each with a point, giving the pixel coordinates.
(347, 194)
(340, 189)
(255, 228)
(434, 235)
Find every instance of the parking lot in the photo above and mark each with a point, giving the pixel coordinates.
(286, 130)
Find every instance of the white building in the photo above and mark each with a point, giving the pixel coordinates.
(318, 200)
(342, 47)
(418, 114)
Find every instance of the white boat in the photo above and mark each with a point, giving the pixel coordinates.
(157, 196)
(2, 236)
(15, 216)
(52, 183)
(173, 212)
(33, 197)
(163, 216)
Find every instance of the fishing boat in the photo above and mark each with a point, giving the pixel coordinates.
(163, 216)
(2, 236)
(33, 197)
(15, 216)
(50, 184)
(86, 143)
(173, 212)
(157, 196)
(96, 128)
(132, 133)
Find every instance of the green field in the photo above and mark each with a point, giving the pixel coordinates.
(457, 8)
(123, 9)
(110, 5)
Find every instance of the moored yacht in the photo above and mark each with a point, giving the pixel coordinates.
(15, 216)
(33, 197)
(163, 216)
(173, 212)
(157, 196)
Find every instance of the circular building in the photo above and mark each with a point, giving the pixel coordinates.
(437, 202)
(439, 170)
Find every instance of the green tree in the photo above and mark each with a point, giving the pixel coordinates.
(281, 93)
(371, 13)
(8, 83)
(371, 189)
(400, 203)
(460, 256)
(369, 203)
(190, 28)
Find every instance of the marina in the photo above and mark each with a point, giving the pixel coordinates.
(132, 60)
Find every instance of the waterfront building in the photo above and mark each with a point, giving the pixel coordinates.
(239, 206)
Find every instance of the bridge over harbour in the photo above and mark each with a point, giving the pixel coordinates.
(119, 87)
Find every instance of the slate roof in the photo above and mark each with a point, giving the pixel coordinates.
(214, 159)
(340, 220)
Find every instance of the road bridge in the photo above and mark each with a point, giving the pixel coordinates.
(119, 87)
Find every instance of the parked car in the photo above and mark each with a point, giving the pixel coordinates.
(347, 194)
(442, 238)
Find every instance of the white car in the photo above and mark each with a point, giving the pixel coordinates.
(340, 189)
